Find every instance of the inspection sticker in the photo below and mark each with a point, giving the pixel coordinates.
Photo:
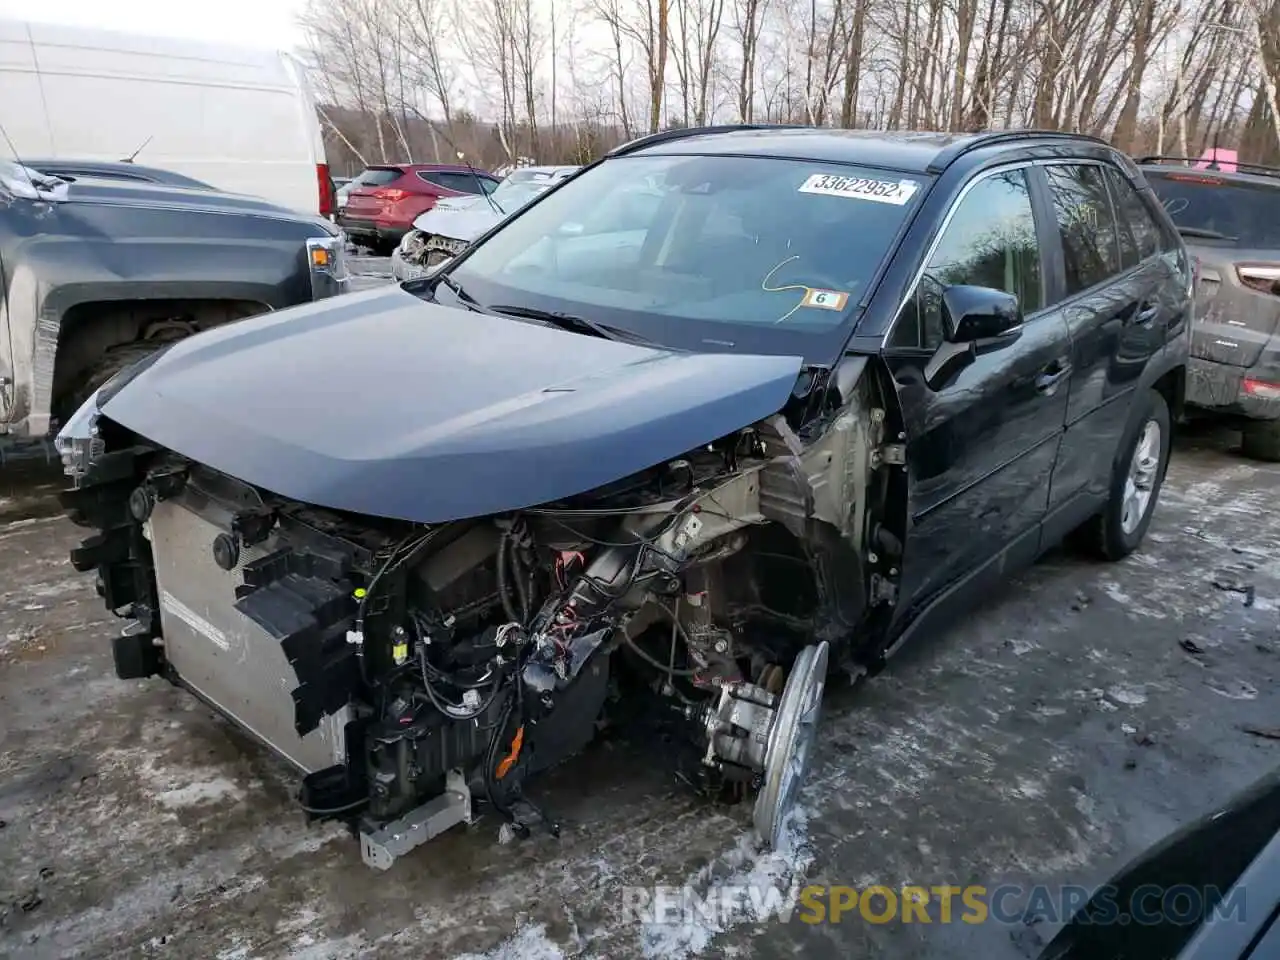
(825, 299)
(897, 192)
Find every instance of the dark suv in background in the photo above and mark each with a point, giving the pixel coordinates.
(1229, 215)
(380, 209)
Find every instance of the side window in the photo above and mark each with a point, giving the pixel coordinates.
(1090, 245)
(457, 182)
(1139, 236)
(990, 241)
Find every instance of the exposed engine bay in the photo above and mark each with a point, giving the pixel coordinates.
(412, 671)
(422, 249)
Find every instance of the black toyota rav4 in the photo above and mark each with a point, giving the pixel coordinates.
(723, 411)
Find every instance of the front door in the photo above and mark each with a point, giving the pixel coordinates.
(981, 448)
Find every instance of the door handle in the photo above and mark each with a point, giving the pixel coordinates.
(1048, 379)
(1147, 314)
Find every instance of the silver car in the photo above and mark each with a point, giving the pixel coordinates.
(447, 228)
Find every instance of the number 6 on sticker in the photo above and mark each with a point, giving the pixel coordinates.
(824, 299)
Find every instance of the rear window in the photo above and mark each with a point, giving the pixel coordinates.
(459, 182)
(378, 178)
(1246, 213)
(104, 175)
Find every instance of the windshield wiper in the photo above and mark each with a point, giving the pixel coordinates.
(564, 321)
(1200, 233)
(575, 324)
(466, 299)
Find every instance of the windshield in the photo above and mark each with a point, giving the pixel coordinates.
(699, 252)
(1246, 212)
(511, 196)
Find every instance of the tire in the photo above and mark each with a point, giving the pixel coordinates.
(112, 362)
(1261, 440)
(1113, 534)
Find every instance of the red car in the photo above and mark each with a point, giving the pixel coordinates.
(387, 198)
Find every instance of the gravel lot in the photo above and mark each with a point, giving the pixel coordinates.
(1074, 719)
(367, 271)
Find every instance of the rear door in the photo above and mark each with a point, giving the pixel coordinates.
(1231, 224)
(1112, 293)
(981, 447)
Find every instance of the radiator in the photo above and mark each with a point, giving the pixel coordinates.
(220, 653)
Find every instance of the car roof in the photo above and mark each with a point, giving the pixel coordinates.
(908, 151)
(546, 170)
(421, 167)
(437, 167)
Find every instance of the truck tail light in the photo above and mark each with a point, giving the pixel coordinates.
(1195, 178)
(325, 186)
(1262, 389)
(394, 194)
(1263, 277)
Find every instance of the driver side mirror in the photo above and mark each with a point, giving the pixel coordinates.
(971, 314)
(975, 321)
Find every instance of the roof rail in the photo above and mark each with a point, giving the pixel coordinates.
(680, 133)
(986, 138)
(1212, 165)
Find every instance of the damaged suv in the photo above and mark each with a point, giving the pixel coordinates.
(425, 541)
(1229, 214)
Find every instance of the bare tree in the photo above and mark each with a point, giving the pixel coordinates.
(1266, 52)
(430, 70)
(697, 30)
(748, 22)
(395, 75)
(486, 32)
(528, 48)
(646, 25)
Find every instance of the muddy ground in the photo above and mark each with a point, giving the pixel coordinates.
(1070, 721)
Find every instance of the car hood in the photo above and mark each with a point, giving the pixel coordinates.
(458, 223)
(382, 404)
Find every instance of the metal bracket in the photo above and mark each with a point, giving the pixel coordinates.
(381, 848)
(894, 453)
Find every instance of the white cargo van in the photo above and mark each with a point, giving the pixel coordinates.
(241, 120)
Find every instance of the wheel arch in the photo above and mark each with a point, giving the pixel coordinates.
(89, 329)
(1172, 385)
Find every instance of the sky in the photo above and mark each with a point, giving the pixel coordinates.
(258, 23)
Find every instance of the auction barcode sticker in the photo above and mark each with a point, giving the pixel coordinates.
(897, 192)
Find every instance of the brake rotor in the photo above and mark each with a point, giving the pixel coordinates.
(791, 738)
(771, 678)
